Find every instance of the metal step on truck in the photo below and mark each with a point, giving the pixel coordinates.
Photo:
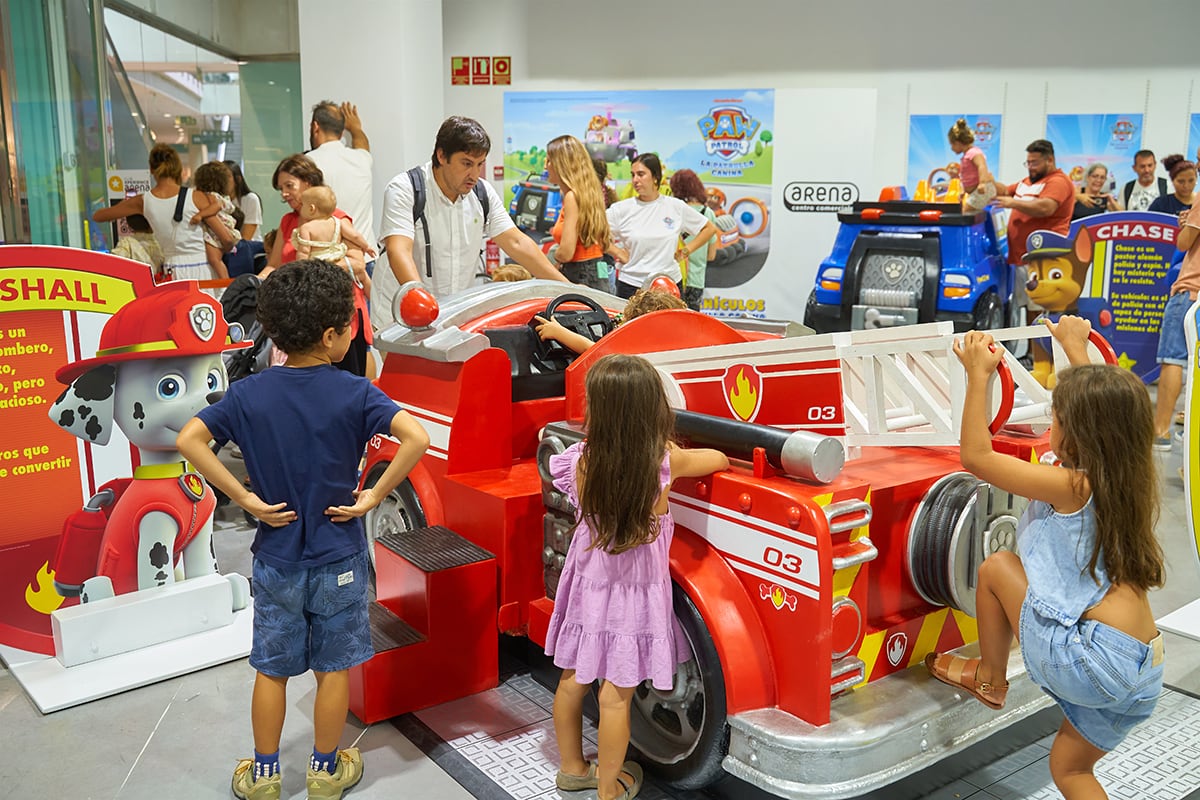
(811, 577)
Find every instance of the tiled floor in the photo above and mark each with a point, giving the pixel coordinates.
(180, 738)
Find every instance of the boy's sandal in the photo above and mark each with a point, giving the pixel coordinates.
(960, 673)
(577, 783)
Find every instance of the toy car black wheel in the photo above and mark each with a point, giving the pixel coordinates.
(682, 734)
(400, 511)
(989, 313)
(810, 310)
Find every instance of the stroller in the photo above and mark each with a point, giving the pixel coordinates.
(239, 302)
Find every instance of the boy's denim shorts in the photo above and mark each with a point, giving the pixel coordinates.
(314, 618)
(1172, 341)
(1104, 680)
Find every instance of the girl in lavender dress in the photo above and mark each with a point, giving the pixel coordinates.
(613, 618)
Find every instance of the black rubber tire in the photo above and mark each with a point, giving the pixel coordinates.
(810, 310)
(401, 510)
(989, 313)
(699, 764)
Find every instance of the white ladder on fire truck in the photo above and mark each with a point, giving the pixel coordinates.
(901, 386)
(904, 386)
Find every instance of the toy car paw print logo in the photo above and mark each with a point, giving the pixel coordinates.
(115, 184)
(893, 271)
(778, 596)
(897, 646)
(1035, 241)
(203, 320)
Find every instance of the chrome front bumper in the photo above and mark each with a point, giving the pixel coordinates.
(877, 734)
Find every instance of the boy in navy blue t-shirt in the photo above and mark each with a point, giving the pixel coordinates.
(302, 428)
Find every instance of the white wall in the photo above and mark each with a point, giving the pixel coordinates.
(1020, 58)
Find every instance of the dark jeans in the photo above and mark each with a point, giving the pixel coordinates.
(693, 296)
(355, 360)
(588, 273)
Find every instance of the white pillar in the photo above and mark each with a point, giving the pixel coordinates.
(387, 59)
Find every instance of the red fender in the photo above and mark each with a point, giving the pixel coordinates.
(731, 618)
(422, 481)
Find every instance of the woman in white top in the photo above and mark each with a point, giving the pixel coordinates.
(182, 242)
(646, 229)
(249, 202)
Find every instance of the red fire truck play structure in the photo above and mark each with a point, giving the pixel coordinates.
(811, 578)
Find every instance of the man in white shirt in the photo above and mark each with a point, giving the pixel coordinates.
(1141, 193)
(347, 170)
(458, 226)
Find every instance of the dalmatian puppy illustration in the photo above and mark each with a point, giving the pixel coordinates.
(158, 363)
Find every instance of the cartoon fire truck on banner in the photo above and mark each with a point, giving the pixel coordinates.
(811, 578)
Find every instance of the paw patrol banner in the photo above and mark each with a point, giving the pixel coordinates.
(1127, 282)
(930, 158)
(1083, 139)
(53, 301)
(725, 136)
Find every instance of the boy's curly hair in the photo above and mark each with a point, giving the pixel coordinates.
(300, 300)
(646, 300)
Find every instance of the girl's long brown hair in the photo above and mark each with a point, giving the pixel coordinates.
(629, 423)
(577, 173)
(1107, 425)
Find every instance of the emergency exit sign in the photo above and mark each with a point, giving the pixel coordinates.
(480, 70)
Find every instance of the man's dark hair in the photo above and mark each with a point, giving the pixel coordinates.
(460, 135)
(1040, 146)
(650, 160)
(1143, 154)
(329, 117)
(300, 300)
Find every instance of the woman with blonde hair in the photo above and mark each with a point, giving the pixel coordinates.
(581, 232)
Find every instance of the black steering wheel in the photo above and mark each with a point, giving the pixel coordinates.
(549, 355)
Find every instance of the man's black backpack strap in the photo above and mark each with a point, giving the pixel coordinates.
(416, 177)
(179, 201)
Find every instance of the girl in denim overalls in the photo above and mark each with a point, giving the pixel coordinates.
(1076, 596)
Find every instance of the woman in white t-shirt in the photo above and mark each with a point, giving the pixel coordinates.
(646, 229)
(249, 202)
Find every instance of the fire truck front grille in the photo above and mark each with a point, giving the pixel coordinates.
(892, 279)
(894, 298)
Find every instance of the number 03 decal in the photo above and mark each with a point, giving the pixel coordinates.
(819, 413)
(788, 562)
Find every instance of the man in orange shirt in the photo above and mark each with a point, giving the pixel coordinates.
(1042, 201)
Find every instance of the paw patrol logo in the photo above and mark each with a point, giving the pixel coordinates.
(1035, 241)
(727, 131)
(203, 320)
(893, 271)
(983, 131)
(1123, 131)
